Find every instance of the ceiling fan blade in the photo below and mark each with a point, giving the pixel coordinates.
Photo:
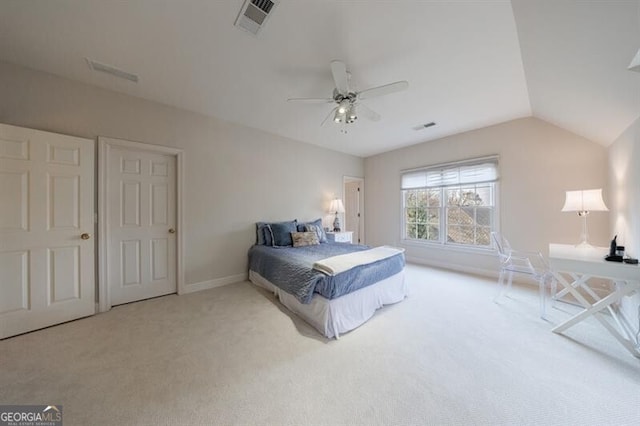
(328, 115)
(339, 72)
(312, 100)
(383, 90)
(368, 112)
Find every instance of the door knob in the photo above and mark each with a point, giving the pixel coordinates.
(172, 231)
(85, 236)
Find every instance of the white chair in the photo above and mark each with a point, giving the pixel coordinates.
(532, 264)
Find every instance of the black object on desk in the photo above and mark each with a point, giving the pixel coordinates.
(613, 256)
(616, 254)
(613, 246)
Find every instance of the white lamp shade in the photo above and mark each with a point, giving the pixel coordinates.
(589, 200)
(336, 206)
(635, 63)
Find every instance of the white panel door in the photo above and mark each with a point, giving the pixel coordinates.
(141, 252)
(46, 224)
(353, 210)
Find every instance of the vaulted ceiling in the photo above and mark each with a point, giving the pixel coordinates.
(469, 64)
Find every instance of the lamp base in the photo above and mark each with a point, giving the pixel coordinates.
(336, 224)
(584, 235)
(583, 245)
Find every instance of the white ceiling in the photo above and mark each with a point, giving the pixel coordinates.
(469, 63)
(576, 55)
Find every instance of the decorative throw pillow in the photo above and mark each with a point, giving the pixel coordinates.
(260, 238)
(322, 237)
(304, 239)
(267, 235)
(263, 234)
(281, 232)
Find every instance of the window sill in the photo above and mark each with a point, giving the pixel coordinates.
(486, 251)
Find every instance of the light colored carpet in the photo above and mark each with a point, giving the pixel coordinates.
(447, 355)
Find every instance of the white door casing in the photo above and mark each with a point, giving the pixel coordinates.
(140, 244)
(47, 267)
(353, 189)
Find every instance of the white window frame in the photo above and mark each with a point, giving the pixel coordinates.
(443, 231)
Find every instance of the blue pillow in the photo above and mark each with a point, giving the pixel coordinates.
(268, 235)
(263, 234)
(322, 237)
(317, 222)
(260, 233)
(317, 228)
(282, 233)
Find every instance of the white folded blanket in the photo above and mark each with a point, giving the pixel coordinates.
(337, 264)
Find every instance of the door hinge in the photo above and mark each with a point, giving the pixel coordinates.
(95, 218)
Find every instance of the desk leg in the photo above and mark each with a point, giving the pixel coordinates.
(595, 311)
(599, 305)
(570, 289)
(578, 281)
(625, 342)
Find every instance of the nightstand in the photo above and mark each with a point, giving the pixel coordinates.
(340, 237)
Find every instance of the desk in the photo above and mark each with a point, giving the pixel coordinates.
(583, 264)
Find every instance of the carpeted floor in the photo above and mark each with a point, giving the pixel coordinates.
(447, 355)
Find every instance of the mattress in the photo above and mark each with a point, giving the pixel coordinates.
(291, 269)
(332, 317)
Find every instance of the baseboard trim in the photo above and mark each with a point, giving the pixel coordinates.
(217, 282)
(466, 269)
(453, 267)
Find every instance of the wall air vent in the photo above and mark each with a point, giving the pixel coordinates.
(254, 14)
(108, 69)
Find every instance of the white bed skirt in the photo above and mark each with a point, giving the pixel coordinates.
(337, 316)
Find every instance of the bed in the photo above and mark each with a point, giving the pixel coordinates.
(335, 287)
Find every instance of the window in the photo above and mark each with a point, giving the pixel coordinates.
(451, 204)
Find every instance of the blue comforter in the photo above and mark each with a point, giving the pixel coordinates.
(290, 268)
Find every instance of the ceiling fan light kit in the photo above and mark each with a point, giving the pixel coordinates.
(344, 106)
(346, 99)
(352, 116)
(345, 115)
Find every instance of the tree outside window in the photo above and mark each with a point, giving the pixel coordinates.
(450, 214)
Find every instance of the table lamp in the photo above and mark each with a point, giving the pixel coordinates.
(583, 202)
(336, 207)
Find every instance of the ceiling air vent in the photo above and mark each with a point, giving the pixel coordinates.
(108, 69)
(424, 126)
(254, 14)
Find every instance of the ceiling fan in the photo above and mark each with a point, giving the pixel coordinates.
(347, 100)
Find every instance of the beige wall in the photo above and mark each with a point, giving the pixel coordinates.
(624, 187)
(234, 175)
(538, 162)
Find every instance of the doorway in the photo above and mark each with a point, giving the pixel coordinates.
(353, 191)
(47, 248)
(141, 215)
